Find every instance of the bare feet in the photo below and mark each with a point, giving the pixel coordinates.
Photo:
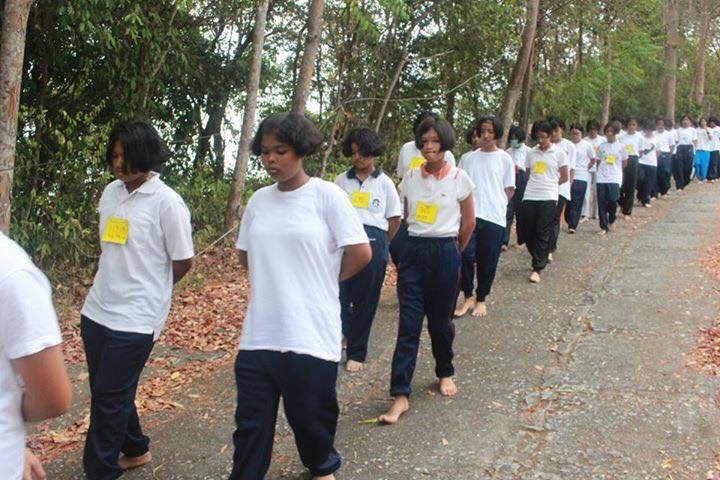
(400, 405)
(504, 248)
(480, 310)
(584, 220)
(534, 277)
(325, 477)
(467, 304)
(353, 366)
(571, 231)
(447, 387)
(550, 257)
(127, 463)
(602, 232)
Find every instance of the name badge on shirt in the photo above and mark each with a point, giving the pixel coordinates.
(611, 159)
(116, 230)
(539, 167)
(426, 212)
(360, 199)
(416, 162)
(629, 148)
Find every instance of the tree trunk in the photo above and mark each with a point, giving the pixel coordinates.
(527, 89)
(697, 94)
(12, 50)
(521, 65)
(605, 118)
(671, 46)
(235, 198)
(312, 42)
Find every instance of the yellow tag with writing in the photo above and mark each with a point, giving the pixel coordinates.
(116, 230)
(416, 162)
(539, 167)
(360, 199)
(610, 159)
(426, 212)
(629, 148)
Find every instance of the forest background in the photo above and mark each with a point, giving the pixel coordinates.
(202, 70)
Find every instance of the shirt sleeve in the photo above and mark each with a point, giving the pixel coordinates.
(392, 200)
(509, 174)
(27, 316)
(562, 159)
(465, 185)
(450, 158)
(177, 231)
(342, 219)
(243, 239)
(572, 157)
(400, 169)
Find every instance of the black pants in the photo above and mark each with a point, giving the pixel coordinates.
(629, 184)
(647, 178)
(562, 201)
(488, 242)
(682, 165)
(535, 229)
(574, 208)
(664, 172)
(398, 243)
(307, 387)
(514, 204)
(467, 268)
(714, 170)
(115, 361)
(428, 276)
(688, 160)
(608, 194)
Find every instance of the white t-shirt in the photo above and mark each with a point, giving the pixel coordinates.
(463, 157)
(584, 153)
(595, 142)
(704, 139)
(544, 173)
(569, 148)
(632, 142)
(674, 136)
(28, 325)
(411, 157)
(611, 156)
(686, 136)
(649, 158)
(294, 242)
(519, 155)
(434, 204)
(664, 141)
(492, 173)
(716, 138)
(375, 199)
(133, 286)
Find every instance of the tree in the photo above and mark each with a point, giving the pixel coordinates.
(697, 94)
(12, 51)
(672, 21)
(312, 42)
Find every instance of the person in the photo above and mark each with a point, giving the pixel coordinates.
(632, 140)
(146, 247)
(518, 151)
(714, 169)
(493, 172)
(438, 206)
(298, 236)
(647, 173)
(546, 169)
(585, 155)
(686, 143)
(589, 208)
(34, 385)
(665, 145)
(704, 147)
(377, 204)
(564, 192)
(612, 159)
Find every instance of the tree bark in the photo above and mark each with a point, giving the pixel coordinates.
(605, 118)
(671, 47)
(235, 197)
(521, 65)
(12, 51)
(312, 43)
(697, 94)
(527, 89)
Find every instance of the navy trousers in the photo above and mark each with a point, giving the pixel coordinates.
(488, 244)
(467, 268)
(360, 296)
(608, 195)
(664, 172)
(535, 229)
(398, 243)
(574, 208)
(514, 204)
(115, 361)
(682, 165)
(428, 276)
(562, 201)
(714, 170)
(647, 175)
(307, 387)
(629, 184)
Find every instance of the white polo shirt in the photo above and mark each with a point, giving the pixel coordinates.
(519, 155)
(611, 156)
(544, 173)
(28, 325)
(434, 203)
(704, 139)
(686, 136)
(411, 157)
(631, 142)
(595, 142)
(492, 173)
(664, 141)
(716, 138)
(650, 158)
(375, 199)
(133, 285)
(584, 154)
(569, 148)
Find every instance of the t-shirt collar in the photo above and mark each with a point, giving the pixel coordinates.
(150, 186)
(352, 174)
(440, 174)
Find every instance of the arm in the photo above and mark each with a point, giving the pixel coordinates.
(355, 258)
(563, 175)
(33, 469)
(467, 221)
(393, 227)
(181, 268)
(47, 387)
(509, 191)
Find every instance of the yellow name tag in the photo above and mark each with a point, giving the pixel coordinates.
(629, 148)
(610, 159)
(116, 230)
(416, 162)
(539, 167)
(360, 199)
(426, 213)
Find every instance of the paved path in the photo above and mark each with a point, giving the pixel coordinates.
(580, 377)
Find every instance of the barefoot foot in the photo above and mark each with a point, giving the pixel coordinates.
(534, 277)
(353, 366)
(325, 477)
(467, 304)
(480, 310)
(127, 463)
(400, 405)
(447, 387)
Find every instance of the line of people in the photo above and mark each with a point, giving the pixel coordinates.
(316, 253)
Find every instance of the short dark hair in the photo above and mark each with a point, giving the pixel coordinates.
(517, 132)
(367, 140)
(541, 126)
(577, 126)
(143, 149)
(592, 125)
(669, 122)
(713, 120)
(469, 134)
(615, 125)
(692, 120)
(648, 124)
(422, 116)
(291, 128)
(444, 131)
(630, 118)
(494, 121)
(556, 122)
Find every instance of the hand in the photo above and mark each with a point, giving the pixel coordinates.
(33, 469)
